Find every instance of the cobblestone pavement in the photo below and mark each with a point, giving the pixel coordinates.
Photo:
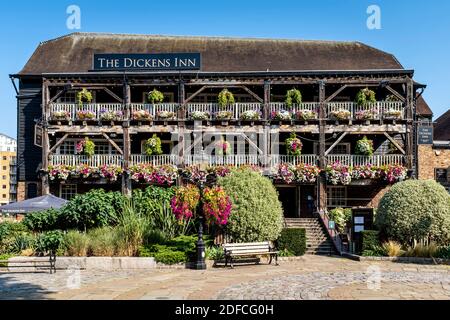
(312, 277)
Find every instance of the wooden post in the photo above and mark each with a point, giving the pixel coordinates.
(181, 123)
(45, 138)
(409, 141)
(126, 180)
(322, 194)
(266, 148)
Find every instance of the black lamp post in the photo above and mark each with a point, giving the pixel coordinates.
(200, 263)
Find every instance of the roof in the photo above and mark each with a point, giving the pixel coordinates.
(35, 204)
(442, 127)
(423, 109)
(73, 53)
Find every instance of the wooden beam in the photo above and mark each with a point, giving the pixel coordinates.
(336, 93)
(59, 94)
(395, 93)
(112, 94)
(254, 95)
(394, 143)
(112, 143)
(251, 143)
(335, 143)
(195, 94)
(58, 143)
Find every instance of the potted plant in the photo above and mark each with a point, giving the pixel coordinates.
(61, 115)
(281, 115)
(365, 96)
(153, 146)
(84, 96)
(166, 115)
(224, 115)
(155, 96)
(200, 115)
(85, 115)
(110, 115)
(294, 145)
(340, 114)
(364, 147)
(250, 115)
(142, 115)
(293, 96)
(86, 147)
(305, 115)
(225, 99)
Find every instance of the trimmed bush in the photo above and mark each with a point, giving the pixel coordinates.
(257, 214)
(170, 257)
(292, 241)
(415, 210)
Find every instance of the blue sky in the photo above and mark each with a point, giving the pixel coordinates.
(417, 32)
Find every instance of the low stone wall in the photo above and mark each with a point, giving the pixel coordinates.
(415, 260)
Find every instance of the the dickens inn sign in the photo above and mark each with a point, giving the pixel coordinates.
(146, 62)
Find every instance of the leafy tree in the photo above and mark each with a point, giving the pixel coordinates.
(42, 220)
(415, 210)
(257, 214)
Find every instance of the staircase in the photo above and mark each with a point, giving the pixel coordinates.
(317, 240)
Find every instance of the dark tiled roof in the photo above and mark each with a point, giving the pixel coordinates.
(442, 127)
(423, 109)
(74, 52)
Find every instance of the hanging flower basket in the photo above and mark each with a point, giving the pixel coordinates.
(294, 145)
(293, 96)
(365, 96)
(86, 147)
(225, 99)
(364, 147)
(84, 96)
(155, 96)
(153, 146)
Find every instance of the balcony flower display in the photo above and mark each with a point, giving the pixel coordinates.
(224, 115)
(110, 115)
(110, 172)
(61, 115)
(302, 173)
(250, 115)
(216, 206)
(365, 172)
(195, 174)
(341, 114)
(305, 115)
(366, 114)
(339, 173)
(393, 114)
(225, 99)
(393, 173)
(365, 96)
(294, 145)
(284, 172)
(164, 174)
(59, 172)
(84, 171)
(185, 202)
(364, 147)
(142, 115)
(222, 147)
(219, 171)
(166, 115)
(200, 115)
(85, 115)
(153, 146)
(86, 147)
(281, 115)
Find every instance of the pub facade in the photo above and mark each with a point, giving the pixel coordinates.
(331, 123)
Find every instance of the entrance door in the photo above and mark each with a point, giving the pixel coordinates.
(288, 199)
(306, 201)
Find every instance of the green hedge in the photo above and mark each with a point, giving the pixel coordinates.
(293, 240)
(371, 244)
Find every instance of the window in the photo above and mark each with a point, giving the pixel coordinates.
(68, 191)
(67, 147)
(31, 190)
(441, 175)
(4, 177)
(4, 186)
(4, 196)
(4, 158)
(336, 196)
(4, 167)
(68, 97)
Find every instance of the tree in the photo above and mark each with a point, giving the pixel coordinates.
(415, 210)
(256, 214)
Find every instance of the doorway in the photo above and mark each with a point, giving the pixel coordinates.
(307, 199)
(288, 198)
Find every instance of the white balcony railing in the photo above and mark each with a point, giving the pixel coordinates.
(159, 111)
(309, 159)
(213, 109)
(231, 160)
(392, 110)
(93, 161)
(306, 107)
(156, 160)
(359, 160)
(89, 111)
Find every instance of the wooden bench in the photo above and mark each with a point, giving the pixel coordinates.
(251, 249)
(35, 264)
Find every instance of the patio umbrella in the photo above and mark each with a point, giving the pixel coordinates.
(35, 204)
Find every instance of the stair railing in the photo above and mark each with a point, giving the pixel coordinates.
(332, 233)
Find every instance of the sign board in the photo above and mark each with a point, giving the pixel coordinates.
(331, 225)
(38, 135)
(424, 135)
(146, 62)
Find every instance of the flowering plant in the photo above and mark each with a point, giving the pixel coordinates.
(366, 114)
(364, 172)
(164, 174)
(85, 115)
(224, 115)
(153, 146)
(61, 115)
(392, 114)
(195, 174)
(393, 173)
(111, 172)
(364, 147)
(365, 96)
(250, 115)
(60, 172)
(339, 173)
(294, 145)
(200, 115)
(219, 171)
(166, 115)
(142, 115)
(107, 115)
(341, 114)
(284, 172)
(306, 115)
(280, 115)
(302, 173)
(216, 205)
(222, 147)
(86, 147)
(184, 202)
(84, 171)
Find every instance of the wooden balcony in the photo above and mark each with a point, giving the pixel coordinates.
(158, 112)
(86, 112)
(214, 112)
(93, 161)
(304, 111)
(156, 160)
(381, 110)
(358, 160)
(309, 159)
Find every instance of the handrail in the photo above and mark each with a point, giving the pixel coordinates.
(332, 233)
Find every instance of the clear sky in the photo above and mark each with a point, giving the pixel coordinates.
(417, 32)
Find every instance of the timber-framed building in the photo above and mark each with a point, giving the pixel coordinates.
(258, 72)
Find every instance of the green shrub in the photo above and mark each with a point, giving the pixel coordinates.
(443, 253)
(13, 237)
(415, 210)
(22, 241)
(285, 253)
(341, 217)
(371, 245)
(214, 253)
(49, 241)
(76, 244)
(43, 220)
(5, 257)
(93, 209)
(257, 214)
(102, 242)
(154, 237)
(170, 257)
(293, 241)
(422, 251)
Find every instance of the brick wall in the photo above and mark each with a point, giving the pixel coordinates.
(430, 158)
